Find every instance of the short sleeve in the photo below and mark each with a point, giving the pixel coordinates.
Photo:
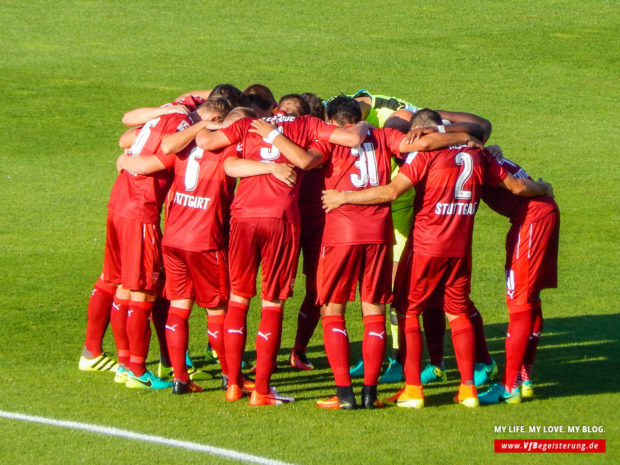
(495, 173)
(324, 147)
(234, 133)
(394, 138)
(415, 166)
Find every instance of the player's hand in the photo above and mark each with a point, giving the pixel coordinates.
(332, 200)
(182, 109)
(547, 186)
(285, 173)
(474, 142)
(496, 151)
(261, 127)
(119, 161)
(415, 134)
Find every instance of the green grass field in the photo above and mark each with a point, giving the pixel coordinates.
(545, 73)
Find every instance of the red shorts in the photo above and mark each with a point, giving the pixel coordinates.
(132, 253)
(202, 276)
(274, 244)
(531, 259)
(439, 282)
(341, 267)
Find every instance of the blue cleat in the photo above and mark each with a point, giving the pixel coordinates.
(147, 381)
(393, 373)
(496, 394)
(484, 373)
(357, 371)
(433, 374)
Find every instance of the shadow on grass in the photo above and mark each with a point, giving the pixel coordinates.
(576, 356)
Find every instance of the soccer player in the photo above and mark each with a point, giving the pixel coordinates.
(265, 230)
(133, 255)
(531, 266)
(357, 246)
(448, 187)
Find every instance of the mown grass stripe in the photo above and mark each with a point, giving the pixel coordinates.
(110, 431)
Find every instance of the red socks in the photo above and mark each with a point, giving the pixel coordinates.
(215, 332)
(373, 348)
(235, 330)
(138, 332)
(118, 321)
(268, 340)
(464, 347)
(519, 330)
(99, 308)
(532, 343)
(307, 320)
(336, 342)
(177, 334)
(413, 357)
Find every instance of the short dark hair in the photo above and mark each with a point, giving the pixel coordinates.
(260, 96)
(240, 112)
(230, 92)
(344, 110)
(297, 102)
(425, 117)
(316, 104)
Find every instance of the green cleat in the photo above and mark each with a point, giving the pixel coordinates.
(433, 374)
(484, 373)
(496, 394)
(147, 381)
(357, 371)
(102, 363)
(527, 389)
(393, 373)
(120, 375)
(164, 372)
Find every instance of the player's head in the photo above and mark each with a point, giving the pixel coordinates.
(238, 113)
(425, 118)
(343, 110)
(230, 92)
(399, 120)
(214, 109)
(316, 104)
(294, 105)
(261, 99)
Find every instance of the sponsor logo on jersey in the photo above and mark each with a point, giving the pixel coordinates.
(184, 125)
(456, 208)
(191, 201)
(411, 157)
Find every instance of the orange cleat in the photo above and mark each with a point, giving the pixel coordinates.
(467, 396)
(234, 393)
(334, 403)
(273, 398)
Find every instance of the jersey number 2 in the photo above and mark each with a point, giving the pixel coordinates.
(464, 159)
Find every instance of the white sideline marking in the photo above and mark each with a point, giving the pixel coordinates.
(227, 453)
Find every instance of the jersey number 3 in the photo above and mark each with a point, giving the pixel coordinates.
(366, 163)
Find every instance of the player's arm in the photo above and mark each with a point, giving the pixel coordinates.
(128, 137)
(198, 93)
(372, 196)
(211, 140)
(436, 141)
(527, 187)
(177, 141)
(139, 116)
(352, 136)
(242, 168)
(142, 164)
(474, 121)
(304, 159)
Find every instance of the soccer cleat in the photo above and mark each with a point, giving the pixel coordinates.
(180, 387)
(120, 376)
(334, 403)
(369, 398)
(300, 361)
(467, 396)
(234, 393)
(496, 394)
(527, 389)
(224, 382)
(357, 371)
(433, 374)
(211, 355)
(147, 381)
(164, 372)
(411, 396)
(393, 373)
(273, 398)
(484, 373)
(102, 363)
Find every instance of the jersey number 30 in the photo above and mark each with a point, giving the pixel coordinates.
(366, 163)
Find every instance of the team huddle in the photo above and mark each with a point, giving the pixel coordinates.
(377, 194)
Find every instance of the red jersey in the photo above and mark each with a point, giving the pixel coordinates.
(199, 201)
(448, 185)
(513, 206)
(140, 197)
(264, 196)
(358, 168)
